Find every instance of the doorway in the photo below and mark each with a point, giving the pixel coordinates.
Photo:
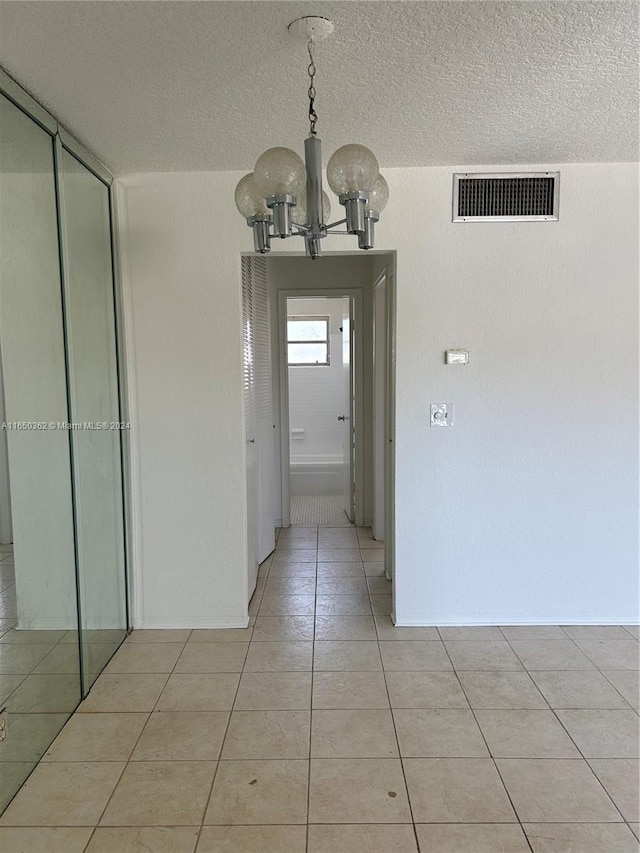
(322, 386)
(367, 285)
(347, 474)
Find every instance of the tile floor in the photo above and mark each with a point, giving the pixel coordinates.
(39, 681)
(322, 728)
(323, 510)
(8, 602)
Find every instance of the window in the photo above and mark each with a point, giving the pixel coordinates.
(308, 341)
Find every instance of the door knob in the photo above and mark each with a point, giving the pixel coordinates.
(343, 418)
(251, 441)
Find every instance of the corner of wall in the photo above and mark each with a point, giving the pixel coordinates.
(129, 394)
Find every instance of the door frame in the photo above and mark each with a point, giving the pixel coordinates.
(390, 432)
(357, 296)
(380, 431)
(348, 411)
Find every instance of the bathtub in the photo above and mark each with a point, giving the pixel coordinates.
(316, 475)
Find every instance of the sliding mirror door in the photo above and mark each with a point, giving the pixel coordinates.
(39, 662)
(94, 404)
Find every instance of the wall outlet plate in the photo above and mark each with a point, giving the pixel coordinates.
(441, 415)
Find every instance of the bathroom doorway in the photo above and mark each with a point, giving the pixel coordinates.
(323, 385)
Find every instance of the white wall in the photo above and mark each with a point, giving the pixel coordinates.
(525, 511)
(181, 280)
(317, 394)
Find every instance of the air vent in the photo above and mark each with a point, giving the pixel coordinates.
(505, 196)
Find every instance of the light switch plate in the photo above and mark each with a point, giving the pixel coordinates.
(441, 414)
(456, 356)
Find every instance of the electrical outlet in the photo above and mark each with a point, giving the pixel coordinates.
(3, 725)
(441, 415)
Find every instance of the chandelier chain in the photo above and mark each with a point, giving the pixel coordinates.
(313, 115)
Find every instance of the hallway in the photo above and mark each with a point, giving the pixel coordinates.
(321, 728)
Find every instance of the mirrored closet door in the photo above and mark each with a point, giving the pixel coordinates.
(63, 598)
(94, 404)
(39, 651)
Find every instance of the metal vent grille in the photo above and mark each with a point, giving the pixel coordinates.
(500, 197)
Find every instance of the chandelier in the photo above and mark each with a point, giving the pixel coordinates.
(283, 196)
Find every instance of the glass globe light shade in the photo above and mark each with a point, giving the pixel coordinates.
(378, 195)
(249, 200)
(280, 171)
(352, 168)
(299, 212)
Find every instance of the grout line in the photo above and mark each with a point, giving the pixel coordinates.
(222, 743)
(313, 661)
(495, 764)
(217, 763)
(93, 830)
(400, 756)
(583, 757)
(128, 761)
(629, 707)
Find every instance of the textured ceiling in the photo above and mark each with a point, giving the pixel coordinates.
(173, 86)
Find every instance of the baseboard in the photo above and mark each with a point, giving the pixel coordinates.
(185, 624)
(458, 621)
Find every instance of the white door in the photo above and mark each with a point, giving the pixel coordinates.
(266, 534)
(258, 416)
(249, 392)
(347, 414)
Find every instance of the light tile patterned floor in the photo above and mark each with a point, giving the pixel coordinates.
(323, 510)
(322, 728)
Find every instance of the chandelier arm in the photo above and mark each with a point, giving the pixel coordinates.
(301, 231)
(333, 224)
(338, 232)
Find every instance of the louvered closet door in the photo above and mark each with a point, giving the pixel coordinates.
(264, 410)
(248, 378)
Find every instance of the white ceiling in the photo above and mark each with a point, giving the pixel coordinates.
(173, 86)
